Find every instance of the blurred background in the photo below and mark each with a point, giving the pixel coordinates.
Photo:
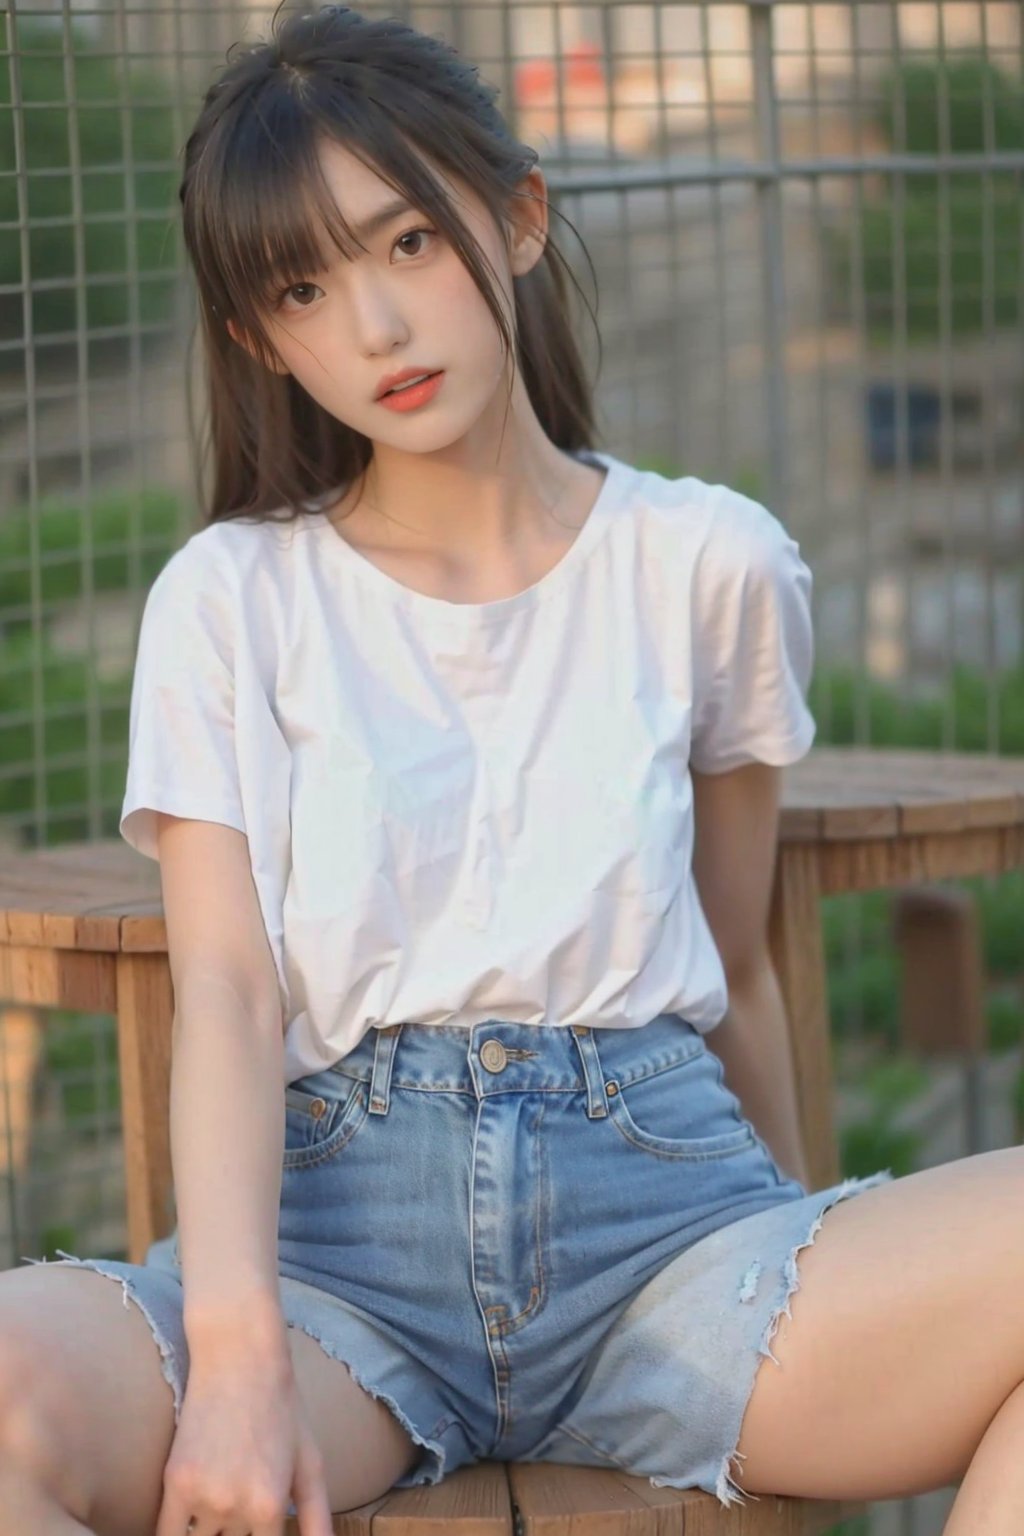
(806, 229)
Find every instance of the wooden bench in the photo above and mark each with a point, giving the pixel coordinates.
(81, 926)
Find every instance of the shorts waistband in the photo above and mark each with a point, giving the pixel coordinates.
(504, 1056)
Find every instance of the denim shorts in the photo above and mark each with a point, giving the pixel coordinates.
(533, 1243)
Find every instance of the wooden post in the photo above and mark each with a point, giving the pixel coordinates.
(145, 1013)
(943, 988)
(798, 955)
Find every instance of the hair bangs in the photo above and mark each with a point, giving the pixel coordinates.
(276, 220)
(389, 149)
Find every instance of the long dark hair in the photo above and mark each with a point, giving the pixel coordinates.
(256, 206)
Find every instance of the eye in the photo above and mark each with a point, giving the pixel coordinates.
(412, 234)
(303, 292)
(297, 289)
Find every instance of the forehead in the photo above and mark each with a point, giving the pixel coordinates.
(355, 187)
(366, 201)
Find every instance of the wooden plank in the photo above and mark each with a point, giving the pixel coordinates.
(472, 1501)
(46, 929)
(86, 867)
(554, 1499)
(145, 1014)
(885, 863)
(107, 861)
(73, 897)
(770, 1515)
(58, 978)
(143, 934)
(798, 956)
(798, 823)
(561, 1500)
(910, 861)
(951, 807)
(349, 1522)
(22, 1047)
(868, 812)
(928, 791)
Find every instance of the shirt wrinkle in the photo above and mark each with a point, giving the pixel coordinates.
(464, 812)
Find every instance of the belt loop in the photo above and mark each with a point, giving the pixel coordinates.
(380, 1078)
(597, 1099)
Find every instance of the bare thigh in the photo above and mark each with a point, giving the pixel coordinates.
(906, 1336)
(103, 1412)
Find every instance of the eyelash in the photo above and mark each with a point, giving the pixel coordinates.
(284, 292)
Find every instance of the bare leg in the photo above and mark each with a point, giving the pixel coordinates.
(900, 1366)
(27, 1507)
(87, 1418)
(991, 1496)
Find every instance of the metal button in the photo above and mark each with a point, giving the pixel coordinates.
(493, 1055)
(317, 1108)
(611, 1088)
(581, 1029)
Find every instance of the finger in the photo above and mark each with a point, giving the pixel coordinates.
(309, 1492)
(174, 1517)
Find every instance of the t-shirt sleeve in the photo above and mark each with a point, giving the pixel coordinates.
(181, 746)
(753, 648)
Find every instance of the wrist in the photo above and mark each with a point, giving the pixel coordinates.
(238, 1326)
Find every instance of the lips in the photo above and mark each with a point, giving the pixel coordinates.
(406, 377)
(417, 393)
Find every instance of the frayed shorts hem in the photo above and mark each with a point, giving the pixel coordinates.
(161, 1310)
(678, 1368)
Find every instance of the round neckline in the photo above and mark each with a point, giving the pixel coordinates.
(498, 608)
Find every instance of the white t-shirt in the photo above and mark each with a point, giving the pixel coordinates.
(466, 811)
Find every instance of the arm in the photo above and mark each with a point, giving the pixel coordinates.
(736, 827)
(226, 1099)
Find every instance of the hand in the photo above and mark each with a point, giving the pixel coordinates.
(243, 1447)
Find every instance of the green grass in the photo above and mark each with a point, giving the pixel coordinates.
(858, 1526)
(895, 1081)
(872, 1144)
(80, 1053)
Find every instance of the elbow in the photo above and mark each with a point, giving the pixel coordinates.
(748, 974)
(206, 993)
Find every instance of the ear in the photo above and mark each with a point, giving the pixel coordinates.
(245, 342)
(528, 222)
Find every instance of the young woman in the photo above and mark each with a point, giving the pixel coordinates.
(425, 719)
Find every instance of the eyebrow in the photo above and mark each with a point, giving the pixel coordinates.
(385, 215)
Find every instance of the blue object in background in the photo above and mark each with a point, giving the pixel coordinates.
(923, 413)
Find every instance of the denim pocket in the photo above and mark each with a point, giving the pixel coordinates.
(680, 1111)
(318, 1125)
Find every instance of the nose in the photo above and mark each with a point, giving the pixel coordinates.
(377, 322)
